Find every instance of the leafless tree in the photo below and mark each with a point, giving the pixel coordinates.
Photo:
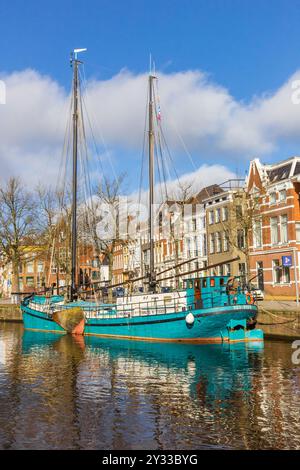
(242, 213)
(103, 217)
(17, 225)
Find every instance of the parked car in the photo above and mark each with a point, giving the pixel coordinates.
(257, 293)
(165, 289)
(119, 292)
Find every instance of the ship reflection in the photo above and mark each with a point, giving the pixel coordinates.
(211, 372)
(114, 394)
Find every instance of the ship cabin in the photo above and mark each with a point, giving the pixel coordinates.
(214, 291)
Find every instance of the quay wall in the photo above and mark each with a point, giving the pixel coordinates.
(10, 313)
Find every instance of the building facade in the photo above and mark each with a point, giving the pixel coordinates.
(274, 240)
(225, 213)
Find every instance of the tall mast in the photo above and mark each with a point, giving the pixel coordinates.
(74, 62)
(152, 280)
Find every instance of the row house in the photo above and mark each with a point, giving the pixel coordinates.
(275, 237)
(37, 269)
(226, 237)
(118, 263)
(195, 232)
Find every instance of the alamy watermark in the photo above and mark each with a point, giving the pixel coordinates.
(126, 219)
(296, 353)
(2, 92)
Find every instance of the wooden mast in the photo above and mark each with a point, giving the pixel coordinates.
(74, 63)
(152, 277)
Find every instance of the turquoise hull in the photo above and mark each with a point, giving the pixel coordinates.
(211, 325)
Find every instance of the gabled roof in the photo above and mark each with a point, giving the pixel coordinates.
(276, 172)
(206, 192)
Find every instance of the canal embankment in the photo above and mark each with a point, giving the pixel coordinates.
(279, 319)
(10, 312)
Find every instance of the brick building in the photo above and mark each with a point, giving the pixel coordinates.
(274, 240)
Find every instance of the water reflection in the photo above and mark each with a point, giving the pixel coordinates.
(57, 392)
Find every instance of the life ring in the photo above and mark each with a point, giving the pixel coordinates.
(249, 298)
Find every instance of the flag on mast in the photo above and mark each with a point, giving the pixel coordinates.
(158, 114)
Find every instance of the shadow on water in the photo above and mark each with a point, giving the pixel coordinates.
(94, 393)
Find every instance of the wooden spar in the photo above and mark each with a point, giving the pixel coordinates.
(176, 266)
(145, 277)
(169, 277)
(201, 269)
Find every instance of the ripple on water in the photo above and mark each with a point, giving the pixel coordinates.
(58, 394)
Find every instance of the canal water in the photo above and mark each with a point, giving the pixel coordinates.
(60, 393)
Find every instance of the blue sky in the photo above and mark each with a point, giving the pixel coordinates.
(249, 48)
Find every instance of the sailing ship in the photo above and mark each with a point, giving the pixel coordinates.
(211, 309)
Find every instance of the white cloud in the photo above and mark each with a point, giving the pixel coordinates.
(193, 182)
(210, 121)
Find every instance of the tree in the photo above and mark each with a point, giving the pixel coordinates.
(103, 215)
(241, 217)
(54, 225)
(174, 212)
(17, 225)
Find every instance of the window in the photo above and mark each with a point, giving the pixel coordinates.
(239, 212)
(273, 198)
(30, 281)
(240, 239)
(195, 246)
(274, 230)
(212, 243)
(282, 195)
(194, 225)
(242, 273)
(286, 274)
(218, 242)
(29, 267)
(188, 247)
(218, 215)
(298, 231)
(40, 267)
(276, 271)
(203, 222)
(242, 269)
(257, 234)
(224, 214)
(211, 217)
(284, 228)
(227, 269)
(225, 241)
(204, 245)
